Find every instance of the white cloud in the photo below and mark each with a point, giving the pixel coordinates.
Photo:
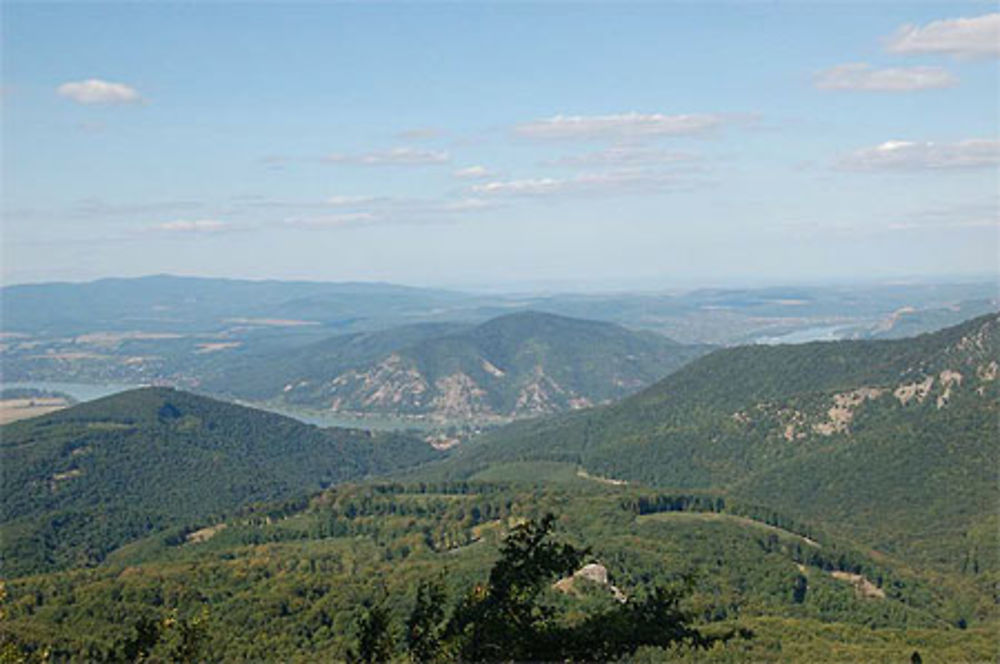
(961, 37)
(862, 77)
(473, 173)
(195, 226)
(622, 125)
(622, 155)
(332, 220)
(919, 156)
(585, 183)
(96, 91)
(404, 156)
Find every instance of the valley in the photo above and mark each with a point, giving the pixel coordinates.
(804, 496)
(499, 332)
(373, 354)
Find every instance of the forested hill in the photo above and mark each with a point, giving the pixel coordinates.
(81, 482)
(886, 439)
(265, 375)
(517, 365)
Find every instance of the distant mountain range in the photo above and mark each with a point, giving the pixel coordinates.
(518, 365)
(195, 305)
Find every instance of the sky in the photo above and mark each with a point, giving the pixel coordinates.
(489, 145)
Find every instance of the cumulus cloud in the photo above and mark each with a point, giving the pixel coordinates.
(622, 125)
(921, 156)
(95, 91)
(622, 155)
(403, 156)
(863, 77)
(960, 37)
(193, 226)
(473, 173)
(585, 183)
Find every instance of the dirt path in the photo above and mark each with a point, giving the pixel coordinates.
(721, 516)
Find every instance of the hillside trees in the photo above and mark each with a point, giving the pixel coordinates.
(508, 619)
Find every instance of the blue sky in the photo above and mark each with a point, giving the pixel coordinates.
(501, 145)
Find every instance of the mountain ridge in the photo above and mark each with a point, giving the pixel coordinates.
(897, 416)
(518, 365)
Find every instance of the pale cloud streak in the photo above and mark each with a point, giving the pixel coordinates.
(924, 156)
(197, 226)
(622, 155)
(608, 183)
(473, 173)
(863, 77)
(332, 220)
(94, 91)
(622, 125)
(402, 156)
(959, 37)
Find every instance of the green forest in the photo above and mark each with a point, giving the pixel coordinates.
(824, 502)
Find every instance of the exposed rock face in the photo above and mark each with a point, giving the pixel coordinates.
(540, 395)
(911, 391)
(594, 573)
(988, 372)
(938, 386)
(842, 411)
(862, 587)
(947, 378)
(390, 383)
(459, 396)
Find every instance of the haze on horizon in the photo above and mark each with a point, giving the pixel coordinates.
(501, 146)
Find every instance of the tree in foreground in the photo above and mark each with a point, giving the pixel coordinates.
(505, 619)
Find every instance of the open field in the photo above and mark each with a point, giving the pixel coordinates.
(12, 410)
